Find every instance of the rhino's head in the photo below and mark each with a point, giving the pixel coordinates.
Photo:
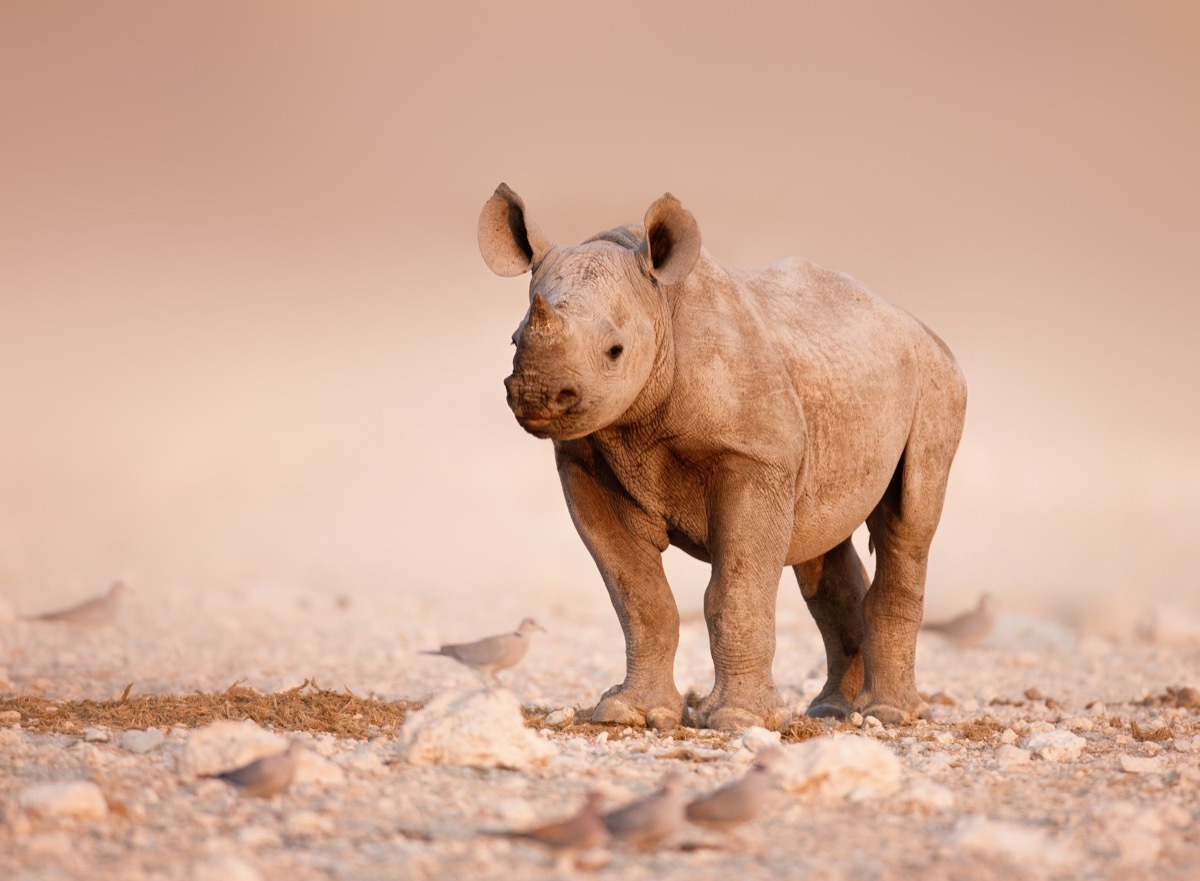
(588, 344)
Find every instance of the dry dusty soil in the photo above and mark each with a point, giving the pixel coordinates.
(1052, 754)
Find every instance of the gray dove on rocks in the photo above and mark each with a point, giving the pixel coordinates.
(652, 820)
(96, 612)
(568, 838)
(492, 654)
(969, 628)
(264, 777)
(737, 803)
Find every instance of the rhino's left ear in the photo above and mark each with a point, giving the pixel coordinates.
(510, 240)
(672, 243)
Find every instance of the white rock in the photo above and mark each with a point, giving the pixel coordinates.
(141, 742)
(474, 728)
(363, 761)
(847, 766)
(1141, 764)
(1008, 756)
(1013, 841)
(1008, 736)
(224, 868)
(71, 798)
(318, 770)
(561, 716)
(755, 739)
(1055, 745)
(223, 745)
(95, 735)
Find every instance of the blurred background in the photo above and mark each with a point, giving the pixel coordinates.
(246, 335)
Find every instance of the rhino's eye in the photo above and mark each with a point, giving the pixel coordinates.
(615, 352)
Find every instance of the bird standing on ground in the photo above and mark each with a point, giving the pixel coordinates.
(568, 838)
(490, 655)
(969, 628)
(737, 803)
(652, 820)
(96, 612)
(264, 777)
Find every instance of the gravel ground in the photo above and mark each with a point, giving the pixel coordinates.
(1052, 754)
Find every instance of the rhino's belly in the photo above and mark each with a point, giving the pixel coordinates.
(835, 499)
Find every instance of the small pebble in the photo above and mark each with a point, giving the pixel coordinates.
(1140, 764)
(141, 742)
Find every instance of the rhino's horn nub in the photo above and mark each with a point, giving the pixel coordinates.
(542, 317)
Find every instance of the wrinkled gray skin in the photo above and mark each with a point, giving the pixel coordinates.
(753, 419)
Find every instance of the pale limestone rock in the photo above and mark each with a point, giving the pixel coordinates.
(1009, 756)
(1140, 764)
(318, 770)
(850, 766)
(141, 742)
(72, 798)
(561, 716)
(224, 744)
(1055, 745)
(474, 728)
(755, 739)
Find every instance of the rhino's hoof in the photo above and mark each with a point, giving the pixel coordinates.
(892, 715)
(732, 719)
(827, 710)
(663, 719)
(614, 711)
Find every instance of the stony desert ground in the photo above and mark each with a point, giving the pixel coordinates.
(1053, 753)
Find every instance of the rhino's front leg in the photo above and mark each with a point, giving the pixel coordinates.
(749, 531)
(616, 534)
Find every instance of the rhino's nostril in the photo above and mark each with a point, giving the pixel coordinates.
(564, 400)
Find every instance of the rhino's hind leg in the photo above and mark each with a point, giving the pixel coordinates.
(833, 585)
(902, 528)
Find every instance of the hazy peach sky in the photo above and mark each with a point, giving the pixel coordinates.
(245, 331)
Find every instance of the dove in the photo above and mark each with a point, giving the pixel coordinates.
(491, 654)
(652, 820)
(969, 628)
(568, 838)
(264, 777)
(737, 803)
(96, 612)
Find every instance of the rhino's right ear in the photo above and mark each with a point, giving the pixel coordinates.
(510, 240)
(672, 243)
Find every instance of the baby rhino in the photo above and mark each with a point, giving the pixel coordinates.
(753, 419)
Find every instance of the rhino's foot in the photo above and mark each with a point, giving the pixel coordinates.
(829, 709)
(733, 715)
(620, 706)
(893, 711)
(830, 704)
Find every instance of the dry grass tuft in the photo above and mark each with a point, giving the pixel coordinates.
(806, 728)
(307, 707)
(983, 728)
